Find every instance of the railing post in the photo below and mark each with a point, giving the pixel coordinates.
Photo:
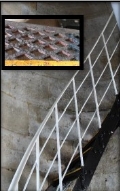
(95, 93)
(109, 62)
(37, 165)
(16, 187)
(58, 149)
(78, 124)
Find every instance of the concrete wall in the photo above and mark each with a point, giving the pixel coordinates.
(18, 8)
(28, 95)
(116, 9)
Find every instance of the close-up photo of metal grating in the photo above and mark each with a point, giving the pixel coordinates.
(25, 41)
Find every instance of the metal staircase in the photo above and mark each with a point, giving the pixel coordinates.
(61, 172)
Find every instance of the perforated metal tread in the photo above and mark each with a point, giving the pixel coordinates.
(36, 42)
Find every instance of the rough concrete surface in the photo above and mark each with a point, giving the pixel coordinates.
(28, 95)
(18, 8)
(106, 176)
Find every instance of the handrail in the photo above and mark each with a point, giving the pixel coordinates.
(16, 178)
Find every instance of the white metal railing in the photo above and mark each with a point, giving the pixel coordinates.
(14, 186)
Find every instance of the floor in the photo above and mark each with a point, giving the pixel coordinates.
(36, 54)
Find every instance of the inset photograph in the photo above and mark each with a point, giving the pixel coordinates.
(44, 42)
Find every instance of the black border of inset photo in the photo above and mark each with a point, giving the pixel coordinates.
(81, 30)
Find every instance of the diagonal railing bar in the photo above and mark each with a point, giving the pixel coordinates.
(95, 93)
(76, 92)
(100, 102)
(66, 108)
(109, 126)
(87, 73)
(14, 183)
(101, 49)
(82, 135)
(100, 35)
(60, 146)
(96, 58)
(47, 140)
(66, 169)
(57, 153)
(111, 32)
(29, 176)
(99, 78)
(78, 124)
(109, 85)
(92, 90)
(42, 184)
(89, 124)
(101, 75)
(111, 71)
(114, 49)
(55, 109)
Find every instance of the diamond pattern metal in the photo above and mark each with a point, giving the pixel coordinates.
(36, 42)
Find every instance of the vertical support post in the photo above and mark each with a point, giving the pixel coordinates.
(78, 124)
(95, 93)
(109, 62)
(37, 165)
(16, 187)
(58, 149)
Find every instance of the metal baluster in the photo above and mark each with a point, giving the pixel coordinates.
(78, 123)
(58, 149)
(95, 94)
(37, 165)
(109, 62)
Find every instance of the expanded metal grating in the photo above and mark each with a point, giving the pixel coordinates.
(36, 42)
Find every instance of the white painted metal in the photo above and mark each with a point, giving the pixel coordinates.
(78, 124)
(109, 85)
(29, 176)
(111, 71)
(100, 36)
(37, 164)
(54, 110)
(58, 148)
(95, 94)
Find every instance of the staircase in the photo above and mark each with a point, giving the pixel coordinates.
(62, 135)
